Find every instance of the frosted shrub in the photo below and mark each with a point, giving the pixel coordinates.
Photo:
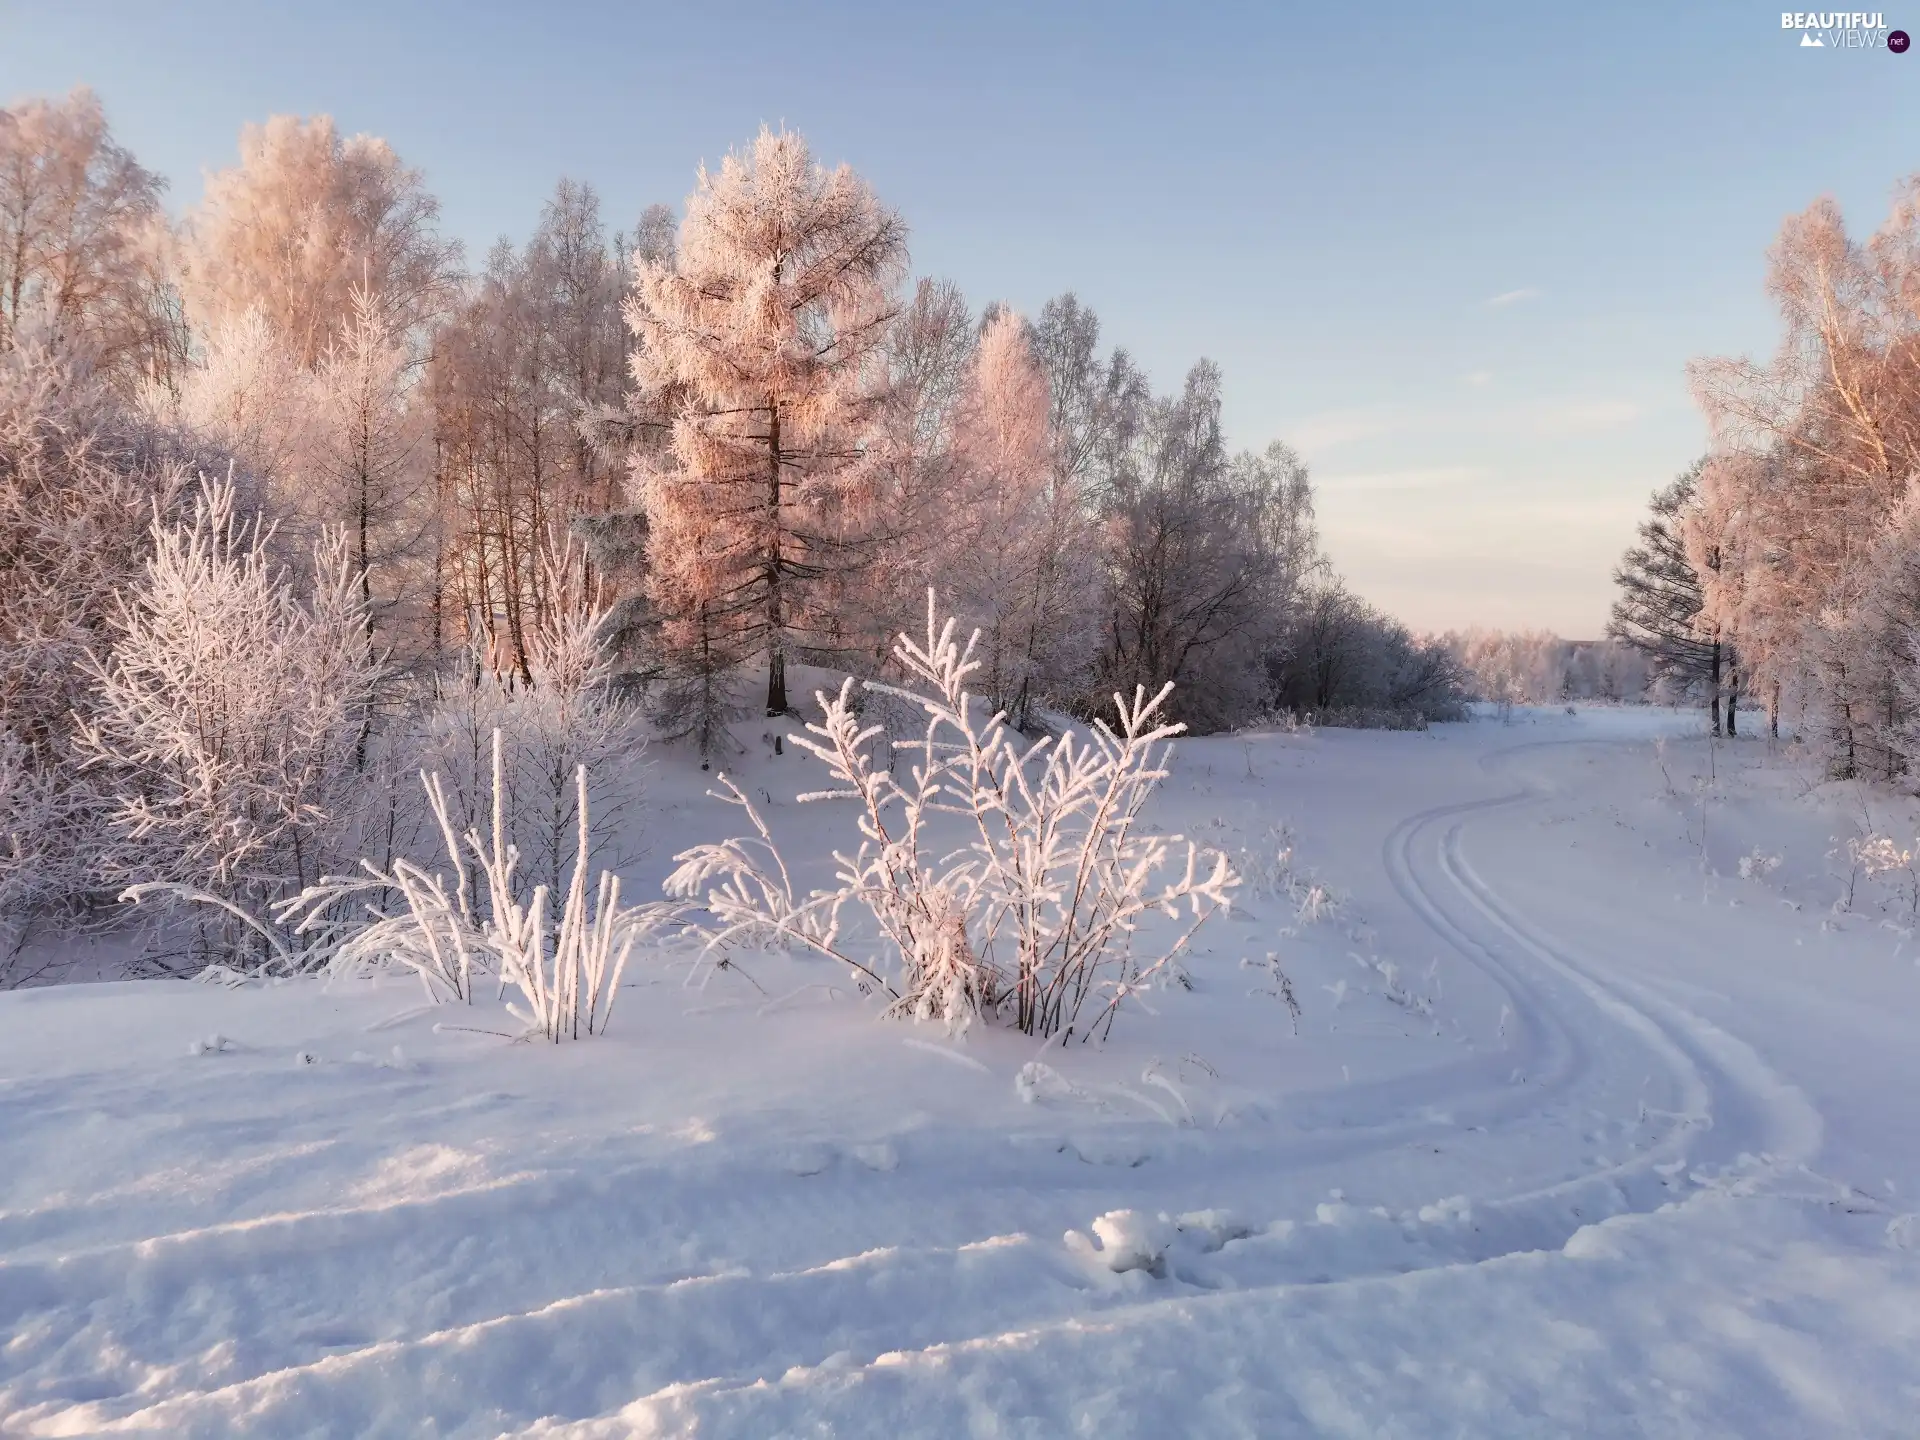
(561, 719)
(82, 475)
(1034, 913)
(231, 720)
(1878, 855)
(567, 969)
(36, 811)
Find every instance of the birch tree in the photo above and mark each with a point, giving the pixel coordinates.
(82, 239)
(305, 218)
(1024, 566)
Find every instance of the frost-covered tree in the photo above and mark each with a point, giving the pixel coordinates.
(229, 717)
(1660, 607)
(525, 388)
(1099, 406)
(1814, 455)
(368, 470)
(913, 514)
(1338, 661)
(82, 476)
(343, 444)
(305, 218)
(248, 391)
(82, 239)
(766, 328)
(1204, 557)
(1023, 563)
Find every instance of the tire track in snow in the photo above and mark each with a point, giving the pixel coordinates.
(1579, 1034)
(1731, 1106)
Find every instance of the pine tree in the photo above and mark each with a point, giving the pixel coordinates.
(1659, 610)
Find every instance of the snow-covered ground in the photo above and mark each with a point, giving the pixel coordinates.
(1580, 1131)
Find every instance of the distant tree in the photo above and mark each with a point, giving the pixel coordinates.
(1023, 565)
(82, 240)
(304, 219)
(767, 327)
(1659, 609)
(1204, 556)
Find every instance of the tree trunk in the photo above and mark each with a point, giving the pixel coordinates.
(1733, 691)
(776, 622)
(1773, 712)
(1713, 693)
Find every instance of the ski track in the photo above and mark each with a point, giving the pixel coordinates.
(1709, 1113)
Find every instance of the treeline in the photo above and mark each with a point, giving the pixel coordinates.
(1537, 667)
(1783, 570)
(605, 477)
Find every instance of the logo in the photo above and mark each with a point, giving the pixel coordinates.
(1843, 30)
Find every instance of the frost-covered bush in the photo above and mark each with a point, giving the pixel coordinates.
(1034, 910)
(1368, 717)
(41, 814)
(231, 722)
(564, 716)
(567, 966)
(1880, 855)
(82, 477)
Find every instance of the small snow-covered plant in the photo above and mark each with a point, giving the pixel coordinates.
(1757, 865)
(1878, 855)
(1279, 984)
(1267, 869)
(567, 969)
(1314, 904)
(1037, 909)
(231, 720)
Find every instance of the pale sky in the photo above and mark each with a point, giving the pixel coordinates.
(1457, 255)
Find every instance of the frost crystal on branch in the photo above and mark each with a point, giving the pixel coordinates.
(1027, 900)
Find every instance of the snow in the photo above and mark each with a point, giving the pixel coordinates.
(1583, 1131)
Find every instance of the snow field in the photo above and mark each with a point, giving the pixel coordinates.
(1552, 1151)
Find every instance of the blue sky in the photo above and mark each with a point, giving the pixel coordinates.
(1457, 255)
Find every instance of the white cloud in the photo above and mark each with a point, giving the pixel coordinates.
(1432, 477)
(1513, 297)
